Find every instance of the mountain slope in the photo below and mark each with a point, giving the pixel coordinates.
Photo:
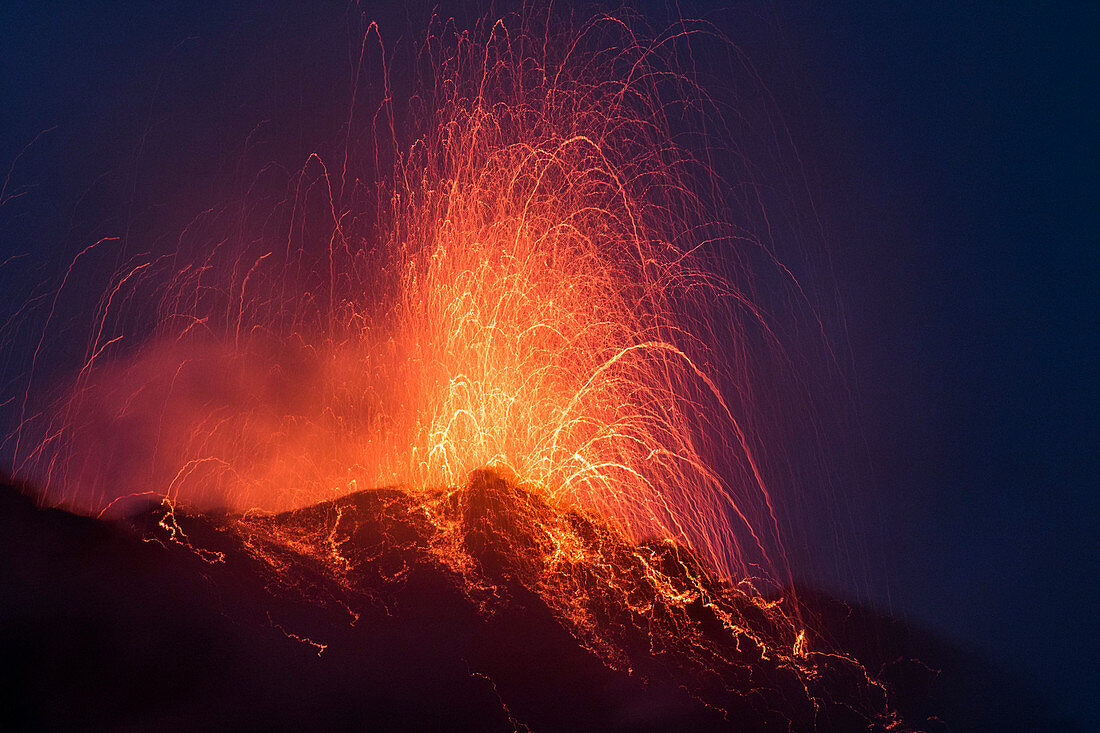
(479, 608)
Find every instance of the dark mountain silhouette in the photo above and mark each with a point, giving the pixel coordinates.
(357, 614)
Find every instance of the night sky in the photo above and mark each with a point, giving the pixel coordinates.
(950, 153)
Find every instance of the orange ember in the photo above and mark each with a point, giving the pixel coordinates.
(535, 297)
(539, 288)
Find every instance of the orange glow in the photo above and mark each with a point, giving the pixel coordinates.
(537, 289)
(536, 300)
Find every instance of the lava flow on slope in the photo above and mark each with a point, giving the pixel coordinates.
(493, 610)
(540, 321)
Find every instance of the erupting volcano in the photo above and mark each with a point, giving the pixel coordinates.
(506, 347)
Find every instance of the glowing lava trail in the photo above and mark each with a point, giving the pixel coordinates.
(539, 287)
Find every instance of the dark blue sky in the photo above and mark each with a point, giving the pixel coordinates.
(958, 157)
(950, 150)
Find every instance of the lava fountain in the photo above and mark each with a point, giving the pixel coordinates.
(535, 297)
(545, 278)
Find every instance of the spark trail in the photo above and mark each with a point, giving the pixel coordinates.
(539, 287)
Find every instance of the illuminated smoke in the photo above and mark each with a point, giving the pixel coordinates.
(550, 282)
(536, 294)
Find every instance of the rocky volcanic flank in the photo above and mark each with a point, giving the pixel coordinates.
(479, 608)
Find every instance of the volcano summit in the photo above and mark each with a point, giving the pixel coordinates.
(486, 608)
